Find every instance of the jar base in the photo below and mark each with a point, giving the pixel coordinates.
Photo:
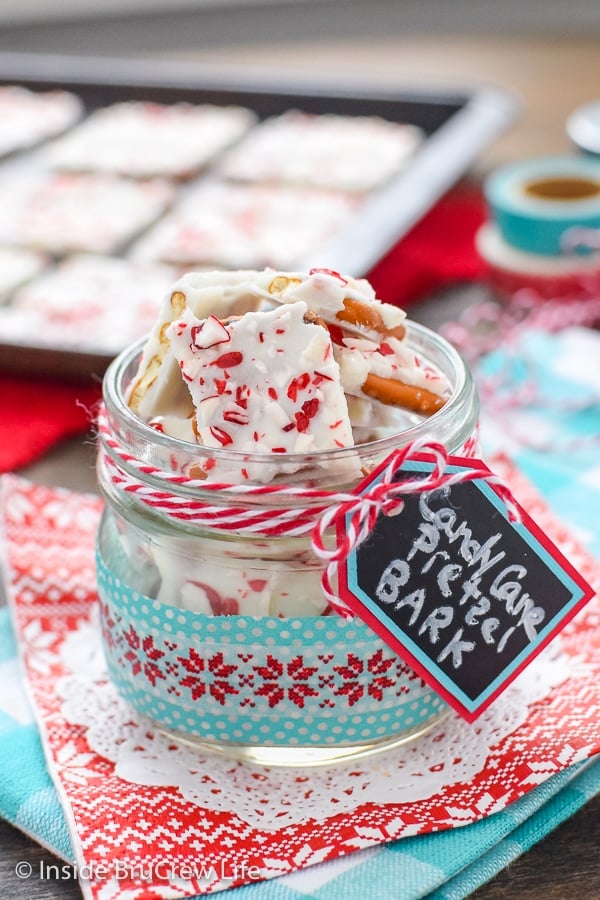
(301, 757)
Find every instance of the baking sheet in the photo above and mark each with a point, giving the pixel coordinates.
(458, 124)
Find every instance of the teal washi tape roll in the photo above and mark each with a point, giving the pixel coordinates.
(539, 204)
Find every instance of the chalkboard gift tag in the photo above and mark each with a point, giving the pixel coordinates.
(462, 593)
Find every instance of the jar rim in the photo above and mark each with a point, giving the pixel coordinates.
(418, 336)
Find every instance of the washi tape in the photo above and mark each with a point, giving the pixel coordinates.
(509, 269)
(541, 205)
(313, 681)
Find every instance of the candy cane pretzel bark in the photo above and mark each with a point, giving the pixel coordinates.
(241, 361)
(266, 382)
(158, 394)
(285, 587)
(369, 339)
(339, 300)
(391, 373)
(29, 117)
(145, 139)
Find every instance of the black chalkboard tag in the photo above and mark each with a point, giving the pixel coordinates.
(463, 594)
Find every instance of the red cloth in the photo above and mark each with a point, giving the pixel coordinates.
(438, 252)
(36, 414)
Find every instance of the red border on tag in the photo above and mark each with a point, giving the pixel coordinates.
(392, 641)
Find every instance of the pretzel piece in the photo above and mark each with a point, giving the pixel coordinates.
(397, 393)
(339, 300)
(365, 315)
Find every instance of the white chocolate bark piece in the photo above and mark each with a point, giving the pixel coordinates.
(177, 426)
(390, 359)
(29, 117)
(377, 364)
(250, 593)
(353, 153)
(368, 338)
(144, 139)
(196, 584)
(238, 226)
(158, 389)
(71, 213)
(338, 299)
(263, 383)
(17, 266)
(235, 593)
(97, 303)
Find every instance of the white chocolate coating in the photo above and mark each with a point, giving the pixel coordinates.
(158, 389)
(144, 139)
(351, 153)
(267, 382)
(29, 117)
(70, 213)
(324, 292)
(238, 226)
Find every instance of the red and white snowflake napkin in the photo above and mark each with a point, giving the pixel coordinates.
(153, 819)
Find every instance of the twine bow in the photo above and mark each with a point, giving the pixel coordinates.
(351, 516)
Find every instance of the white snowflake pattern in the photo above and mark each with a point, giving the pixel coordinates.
(81, 651)
(39, 642)
(19, 508)
(71, 513)
(74, 764)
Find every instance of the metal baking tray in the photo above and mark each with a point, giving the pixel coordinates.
(458, 123)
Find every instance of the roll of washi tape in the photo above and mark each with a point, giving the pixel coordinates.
(509, 270)
(541, 205)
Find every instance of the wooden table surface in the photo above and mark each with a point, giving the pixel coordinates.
(551, 76)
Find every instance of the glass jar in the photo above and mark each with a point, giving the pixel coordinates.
(225, 638)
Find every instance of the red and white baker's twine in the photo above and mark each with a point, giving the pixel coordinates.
(351, 516)
(488, 326)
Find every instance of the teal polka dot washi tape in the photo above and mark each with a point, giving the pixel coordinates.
(315, 681)
(540, 205)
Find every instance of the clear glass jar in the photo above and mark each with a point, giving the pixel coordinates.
(226, 639)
